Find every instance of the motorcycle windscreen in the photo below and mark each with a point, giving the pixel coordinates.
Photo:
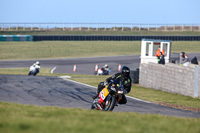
(104, 93)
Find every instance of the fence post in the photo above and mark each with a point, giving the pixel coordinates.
(131, 27)
(97, 27)
(88, 26)
(71, 26)
(156, 27)
(139, 27)
(63, 26)
(24, 26)
(2, 26)
(196, 79)
(17, 27)
(39, 26)
(191, 28)
(80, 27)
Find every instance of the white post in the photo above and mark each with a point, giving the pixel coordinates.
(183, 27)
(88, 26)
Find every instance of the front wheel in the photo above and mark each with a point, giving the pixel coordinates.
(110, 103)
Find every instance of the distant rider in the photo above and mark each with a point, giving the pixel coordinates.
(35, 66)
(122, 78)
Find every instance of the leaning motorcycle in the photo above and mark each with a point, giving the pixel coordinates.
(102, 71)
(108, 97)
(34, 70)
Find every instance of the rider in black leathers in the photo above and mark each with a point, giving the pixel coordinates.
(122, 78)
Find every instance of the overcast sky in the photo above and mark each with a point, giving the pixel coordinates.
(101, 11)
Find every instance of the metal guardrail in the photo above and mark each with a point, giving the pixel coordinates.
(97, 27)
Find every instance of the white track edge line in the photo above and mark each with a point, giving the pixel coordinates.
(53, 69)
(96, 88)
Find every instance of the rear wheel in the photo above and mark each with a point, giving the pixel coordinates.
(110, 103)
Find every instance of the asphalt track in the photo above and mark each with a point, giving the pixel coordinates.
(55, 91)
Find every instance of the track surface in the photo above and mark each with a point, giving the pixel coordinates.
(54, 91)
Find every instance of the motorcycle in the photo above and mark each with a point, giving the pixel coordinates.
(108, 97)
(34, 70)
(102, 71)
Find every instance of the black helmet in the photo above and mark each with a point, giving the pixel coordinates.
(125, 71)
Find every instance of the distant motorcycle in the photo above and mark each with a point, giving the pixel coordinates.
(108, 97)
(102, 71)
(34, 70)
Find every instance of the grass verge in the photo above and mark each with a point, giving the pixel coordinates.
(70, 49)
(20, 118)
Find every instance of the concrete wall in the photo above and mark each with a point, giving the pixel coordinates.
(172, 78)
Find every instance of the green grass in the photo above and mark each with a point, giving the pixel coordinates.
(70, 49)
(18, 118)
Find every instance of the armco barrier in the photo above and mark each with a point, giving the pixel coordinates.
(110, 38)
(16, 38)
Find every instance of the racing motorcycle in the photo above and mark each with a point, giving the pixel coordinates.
(102, 71)
(108, 97)
(34, 70)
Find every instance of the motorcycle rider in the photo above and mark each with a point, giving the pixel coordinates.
(122, 78)
(36, 66)
(105, 69)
